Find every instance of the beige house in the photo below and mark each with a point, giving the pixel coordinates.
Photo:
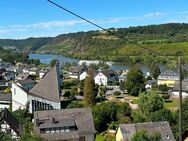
(65, 125)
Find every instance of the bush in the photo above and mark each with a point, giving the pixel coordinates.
(165, 96)
(117, 93)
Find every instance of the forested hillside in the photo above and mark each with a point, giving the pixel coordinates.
(168, 39)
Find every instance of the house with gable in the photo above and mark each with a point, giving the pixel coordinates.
(83, 75)
(104, 77)
(9, 75)
(168, 77)
(45, 95)
(10, 125)
(34, 71)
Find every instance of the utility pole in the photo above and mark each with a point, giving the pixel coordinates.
(180, 98)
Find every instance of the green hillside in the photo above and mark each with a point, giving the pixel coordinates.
(168, 39)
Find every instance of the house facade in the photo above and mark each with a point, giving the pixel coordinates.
(82, 75)
(104, 77)
(168, 78)
(10, 125)
(34, 71)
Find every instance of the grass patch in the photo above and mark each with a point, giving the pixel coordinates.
(100, 138)
(172, 104)
(104, 138)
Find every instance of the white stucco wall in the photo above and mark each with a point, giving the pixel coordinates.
(100, 79)
(83, 76)
(19, 97)
(176, 94)
(4, 104)
(41, 74)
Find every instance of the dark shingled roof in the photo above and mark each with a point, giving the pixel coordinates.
(49, 86)
(81, 118)
(26, 81)
(5, 97)
(108, 73)
(128, 130)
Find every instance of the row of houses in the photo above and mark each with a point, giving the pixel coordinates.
(76, 124)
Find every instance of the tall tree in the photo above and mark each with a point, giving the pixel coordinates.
(143, 135)
(135, 82)
(150, 102)
(155, 70)
(89, 94)
(53, 62)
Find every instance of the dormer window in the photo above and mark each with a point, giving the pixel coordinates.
(167, 136)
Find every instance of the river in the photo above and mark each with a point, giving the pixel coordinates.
(46, 58)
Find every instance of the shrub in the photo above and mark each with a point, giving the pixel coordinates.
(117, 93)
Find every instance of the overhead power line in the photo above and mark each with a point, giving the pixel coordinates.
(138, 45)
(100, 27)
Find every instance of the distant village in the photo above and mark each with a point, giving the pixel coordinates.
(54, 99)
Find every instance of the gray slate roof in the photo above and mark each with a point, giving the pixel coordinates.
(26, 81)
(5, 97)
(79, 117)
(184, 86)
(128, 130)
(169, 75)
(108, 73)
(49, 86)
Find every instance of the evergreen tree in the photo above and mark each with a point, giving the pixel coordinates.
(89, 95)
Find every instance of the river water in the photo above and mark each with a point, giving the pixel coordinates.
(46, 58)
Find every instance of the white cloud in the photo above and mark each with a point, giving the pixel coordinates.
(10, 30)
(155, 14)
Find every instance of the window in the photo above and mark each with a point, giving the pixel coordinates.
(57, 130)
(47, 130)
(167, 136)
(82, 139)
(14, 91)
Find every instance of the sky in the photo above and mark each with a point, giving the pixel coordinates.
(20, 19)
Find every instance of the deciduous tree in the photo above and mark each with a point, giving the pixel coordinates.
(135, 82)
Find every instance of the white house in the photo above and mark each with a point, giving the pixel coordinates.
(9, 75)
(123, 76)
(44, 95)
(25, 70)
(103, 77)
(34, 71)
(10, 125)
(22, 76)
(83, 75)
(149, 84)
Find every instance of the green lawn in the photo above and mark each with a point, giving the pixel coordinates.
(100, 138)
(172, 104)
(104, 138)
